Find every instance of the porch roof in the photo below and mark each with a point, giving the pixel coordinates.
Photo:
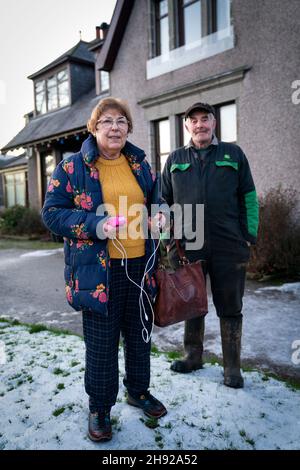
(56, 124)
(9, 161)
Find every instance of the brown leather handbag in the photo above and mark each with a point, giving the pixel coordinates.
(181, 294)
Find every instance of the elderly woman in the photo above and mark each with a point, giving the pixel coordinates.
(98, 282)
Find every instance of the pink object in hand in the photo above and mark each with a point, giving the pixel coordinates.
(116, 221)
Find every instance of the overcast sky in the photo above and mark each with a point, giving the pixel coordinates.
(32, 34)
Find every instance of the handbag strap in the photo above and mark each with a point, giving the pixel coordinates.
(181, 253)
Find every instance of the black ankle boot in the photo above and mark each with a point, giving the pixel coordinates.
(99, 429)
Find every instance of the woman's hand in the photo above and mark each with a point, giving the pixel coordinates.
(109, 230)
(112, 224)
(157, 223)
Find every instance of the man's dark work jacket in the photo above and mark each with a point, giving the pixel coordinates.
(223, 183)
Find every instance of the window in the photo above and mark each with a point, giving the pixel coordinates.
(104, 81)
(194, 29)
(48, 166)
(190, 29)
(161, 27)
(63, 88)
(199, 18)
(52, 92)
(163, 142)
(184, 136)
(40, 97)
(226, 122)
(15, 189)
(226, 127)
(10, 190)
(223, 15)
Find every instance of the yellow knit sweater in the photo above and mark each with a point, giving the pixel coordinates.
(117, 180)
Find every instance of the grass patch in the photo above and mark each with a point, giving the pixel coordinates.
(37, 327)
(159, 440)
(151, 423)
(25, 244)
(173, 355)
(246, 438)
(40, 327)
(60, 386)
(293, 384)
(290, 382)
(265, 378)
(74, 363)
(58, 411)
(168, 426)
(9, 321)
(17, 376)
(250, 441)
(154, 349)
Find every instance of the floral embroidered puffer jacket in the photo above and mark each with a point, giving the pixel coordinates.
(72, 198)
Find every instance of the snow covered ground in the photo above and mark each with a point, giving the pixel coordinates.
(271, 329)
(43, 404)
(41, 253)
(271, 326)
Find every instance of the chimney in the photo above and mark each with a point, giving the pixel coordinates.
(101, 31)
(104, 29)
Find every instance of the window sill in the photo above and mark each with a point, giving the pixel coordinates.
(208, 46)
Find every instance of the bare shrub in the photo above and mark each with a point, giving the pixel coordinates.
(278, 244)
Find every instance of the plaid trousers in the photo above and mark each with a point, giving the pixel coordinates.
(102, 335)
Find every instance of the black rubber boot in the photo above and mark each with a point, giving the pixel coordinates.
(193, 346)
(231, 333)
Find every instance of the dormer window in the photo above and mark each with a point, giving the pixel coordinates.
(52, 92)
(40, 97)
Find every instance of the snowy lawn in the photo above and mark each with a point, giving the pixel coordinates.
(43, 404)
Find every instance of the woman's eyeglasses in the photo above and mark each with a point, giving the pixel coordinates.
(121, 123)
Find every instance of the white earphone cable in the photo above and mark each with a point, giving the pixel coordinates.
(146, 336)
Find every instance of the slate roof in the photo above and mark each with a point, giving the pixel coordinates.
(79, 53)
(95, 44)
(111, 46)
(57, 123)
(10, 162)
